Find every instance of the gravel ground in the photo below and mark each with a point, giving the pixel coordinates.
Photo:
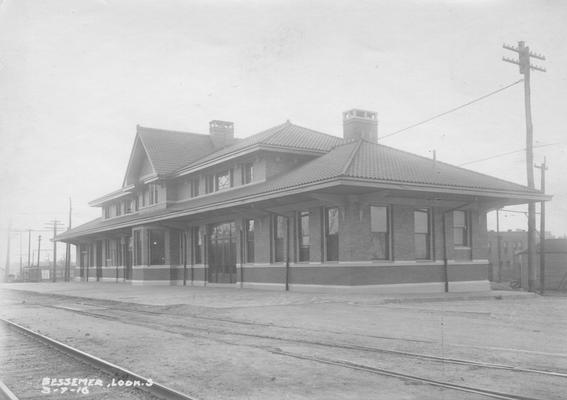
(219, 343)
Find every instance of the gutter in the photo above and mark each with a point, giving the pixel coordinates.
(325, 183)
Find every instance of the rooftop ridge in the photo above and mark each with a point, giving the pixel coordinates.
(315, 131)
(160, 130)
(351, 156)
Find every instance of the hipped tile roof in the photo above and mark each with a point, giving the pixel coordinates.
(352, 161)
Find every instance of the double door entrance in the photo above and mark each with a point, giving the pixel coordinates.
(222, 253)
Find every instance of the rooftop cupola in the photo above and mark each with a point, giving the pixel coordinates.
(222, 133)
(360, 124)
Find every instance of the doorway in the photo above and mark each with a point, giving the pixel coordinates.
(222, 253)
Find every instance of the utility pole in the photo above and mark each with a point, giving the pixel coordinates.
(21, 263)
(7, 270)
(38, 252)
(68, 249)
(524, 56)
(543, 168)
(498, 246)
(29, 247)
(54, 224)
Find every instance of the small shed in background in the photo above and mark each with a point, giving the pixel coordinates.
(555, 265)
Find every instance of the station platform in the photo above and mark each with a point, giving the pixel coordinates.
(222, 297)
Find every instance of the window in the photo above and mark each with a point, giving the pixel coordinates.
(118, 209)
(194, 187)
(332, 234)
(137, 248)
(127, 206)
(175, 247)
(303, 235)
(118, 244)
(209, 184)
(223, 180)
(106, 212)
(249, 224)
(107, 253)
(278, 235)
(157, 247)
(154, 193)
(421, 234)
(197, 242)
(380, 232)
(460, 228)
(247, 173)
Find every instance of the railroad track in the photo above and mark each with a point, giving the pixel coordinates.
(28, 346)
(334, 345)
(116, 315)
(33, 366)
(405, 377)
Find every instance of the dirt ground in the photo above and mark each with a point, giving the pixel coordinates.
(218, 343)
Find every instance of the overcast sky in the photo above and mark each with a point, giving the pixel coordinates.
(76, 76)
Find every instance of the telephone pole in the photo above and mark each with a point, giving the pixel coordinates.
(7, 270)
(38, 251)
(543, 168)
(524, 57)
(498, 246)
(29, 247)
(54, 224)
(68, 249)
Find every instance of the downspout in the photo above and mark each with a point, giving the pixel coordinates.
(184, 258)
(445, 261)
(241, 258)
(206, 259)
(287, 248)
(193, 248)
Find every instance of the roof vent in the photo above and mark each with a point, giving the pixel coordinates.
(360, 124)
(222, 133)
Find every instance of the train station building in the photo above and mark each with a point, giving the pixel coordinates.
(292, 208)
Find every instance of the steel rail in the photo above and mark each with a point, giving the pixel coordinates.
(399, 375)
(155, 389)
(345, 346)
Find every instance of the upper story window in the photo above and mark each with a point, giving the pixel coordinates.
(153, 193)
(460, 228)
(247, 173)
(127, 206)
(106, 211)
(118, 209)
(194, 187)
(209, 184)
(223, 180)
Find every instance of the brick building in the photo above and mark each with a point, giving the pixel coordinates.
(293, 208)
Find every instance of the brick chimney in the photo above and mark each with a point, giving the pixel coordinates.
(222, 133)
(360, 124)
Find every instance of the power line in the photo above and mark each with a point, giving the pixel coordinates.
(507, 153)
(453, 109)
